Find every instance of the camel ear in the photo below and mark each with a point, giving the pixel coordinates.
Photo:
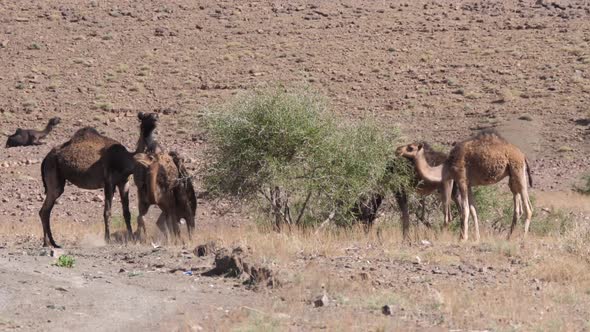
(143, 159)
(140, 115)
(420, 146)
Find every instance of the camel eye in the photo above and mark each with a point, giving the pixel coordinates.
(410, 148)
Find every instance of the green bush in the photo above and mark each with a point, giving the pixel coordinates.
(585, 188)
(285, 149)
(65, 261)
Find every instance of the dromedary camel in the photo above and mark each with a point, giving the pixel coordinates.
(88, 160)
(25, 137)
(484, 159)
(162, 179)
(366, 210)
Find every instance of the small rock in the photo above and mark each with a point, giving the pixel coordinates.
(426, 243)
(160, 32)
(526, 117)
(56, 252)
(387, 310)
(364, 276)
(4, 200)
(205, 249)
(321, 301)
(3, 43)
(98, 198)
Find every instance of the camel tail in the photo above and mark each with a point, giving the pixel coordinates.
(528, 172)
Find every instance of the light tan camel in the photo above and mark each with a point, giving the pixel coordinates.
(423, 186)
(482, 160)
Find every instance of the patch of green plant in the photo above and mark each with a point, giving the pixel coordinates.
(259, 322)
(556, 222)
(585, 188)
(283, 149)
(65, 261)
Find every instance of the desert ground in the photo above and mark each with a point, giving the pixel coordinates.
(438, 70)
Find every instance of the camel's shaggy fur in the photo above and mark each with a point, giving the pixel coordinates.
(162, 179)
(481, 160)
(88, 160)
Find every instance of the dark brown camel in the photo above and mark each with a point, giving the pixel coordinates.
(26, 137)
(162, 180)
(88, 160)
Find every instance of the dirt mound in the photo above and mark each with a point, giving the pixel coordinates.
(237, 264)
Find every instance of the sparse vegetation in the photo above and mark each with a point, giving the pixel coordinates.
(284, 147)
(585, 187)
(65, 261)
(34, 46)
(105, 106)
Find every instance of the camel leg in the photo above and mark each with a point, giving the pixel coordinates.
(55, 187)
(456, 197)
(402, 201)
(517, 212)
(463, 189)
(189, 229)
(173, 222)
(108, 201)
(446, 197)
(163, 225)
(528, 208)
(143, 207)
(474, 214)
(124, 193)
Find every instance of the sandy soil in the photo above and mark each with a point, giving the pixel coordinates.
(439, 70)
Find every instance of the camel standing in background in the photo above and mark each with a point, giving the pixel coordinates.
(26, 137)
(482, 160)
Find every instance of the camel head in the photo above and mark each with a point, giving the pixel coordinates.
(409, 151)
(54, 121)
(148, 120)
(147, 138)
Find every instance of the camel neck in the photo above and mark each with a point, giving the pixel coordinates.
(47, 129)
(427, 172)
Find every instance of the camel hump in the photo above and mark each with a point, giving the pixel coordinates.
(84, 134)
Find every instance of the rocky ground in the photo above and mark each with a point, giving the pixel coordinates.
(439, 70)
